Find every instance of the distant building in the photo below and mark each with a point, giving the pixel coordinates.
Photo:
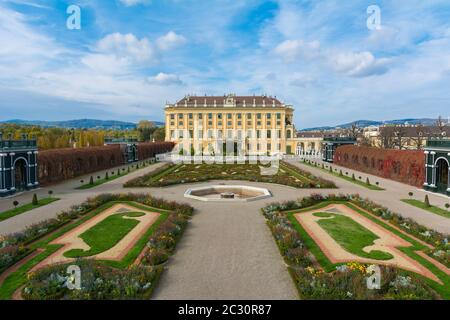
(330, 144)
(409, 137)
(18, 165)
(129, 147)
(437, 169)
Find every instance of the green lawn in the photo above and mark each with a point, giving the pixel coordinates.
(432, 209)
(352, 236)
(347, 178)
(110, 178)
(106, 234)
(191, 173)
(27, 207)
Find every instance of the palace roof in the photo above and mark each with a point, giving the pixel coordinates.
(229, 101)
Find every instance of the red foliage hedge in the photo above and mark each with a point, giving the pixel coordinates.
(60, 164)
(150, 149)
(401, 165)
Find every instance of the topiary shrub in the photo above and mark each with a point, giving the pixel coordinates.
(106, 176)
(15, 203)
(91, 180)
(427, 201)
(368, 181)
(34, 202)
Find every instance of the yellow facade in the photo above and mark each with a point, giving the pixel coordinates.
(258, 124)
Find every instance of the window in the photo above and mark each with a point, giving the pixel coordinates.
(209, 123)
(219, 123)
(239, 116)
(230, 123)
(200, 134)
(172, 123)
(269, 116)
(200, 116)
(249, 134)
(210, 116)
(191, 123)
(258, 123)
(219, 116)
(172, 117)
(239, 123)
(180, 116)
(229, 116)
(258, 116)
(172, 134)
(269, 147)
(258, 134)
(249, 115)
(180, 123)
(249, 123)
(278, 116)
(191, 134)
(289, 134)
(269, 134)
(180, 134)
(191, 115)
(279, 134)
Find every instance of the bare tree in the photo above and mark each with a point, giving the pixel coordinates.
(353, 131)
(420, 136)
(387, 138)
(440, 124)
(399, 134)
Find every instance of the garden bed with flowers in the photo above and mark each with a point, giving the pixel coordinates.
(139, 267)
(316, 277)
(191, 173)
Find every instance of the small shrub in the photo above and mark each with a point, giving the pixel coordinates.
(410, 194)
(106, 176)
(427, 201)
(91, 180)
(447, 206)
(50, 192)
(34, 202)
(353, 176)
(15, 203)
(368, 181)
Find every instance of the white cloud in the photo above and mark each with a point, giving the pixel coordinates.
(129, 3)
(165, 79)
(170, 41)
(127, 46)
(291, 50)
(359, 64)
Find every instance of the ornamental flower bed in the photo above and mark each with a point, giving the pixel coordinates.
(99, 282)
(14, 247)
(190, 173)
(346, 281)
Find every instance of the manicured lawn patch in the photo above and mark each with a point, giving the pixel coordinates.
(191, 173)
(431, 208)
(352, 236)
(111, 177)
(347, 178)
(27, 207)
(106, 234)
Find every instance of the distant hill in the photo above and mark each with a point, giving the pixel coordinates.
(80, 124)
(366, 123)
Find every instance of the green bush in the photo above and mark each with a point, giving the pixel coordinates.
(35, 201)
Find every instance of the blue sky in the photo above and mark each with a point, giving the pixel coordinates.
(132, 56)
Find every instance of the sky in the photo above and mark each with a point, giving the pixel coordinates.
(131, 57)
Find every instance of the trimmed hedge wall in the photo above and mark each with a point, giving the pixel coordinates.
(151, 149)
(404, 166)
(60, 164)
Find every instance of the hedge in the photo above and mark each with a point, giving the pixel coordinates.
(406, 166)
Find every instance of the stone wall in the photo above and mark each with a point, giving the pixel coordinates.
(405, 166)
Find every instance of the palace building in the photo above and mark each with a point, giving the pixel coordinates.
(18, 165)
(254, 124)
